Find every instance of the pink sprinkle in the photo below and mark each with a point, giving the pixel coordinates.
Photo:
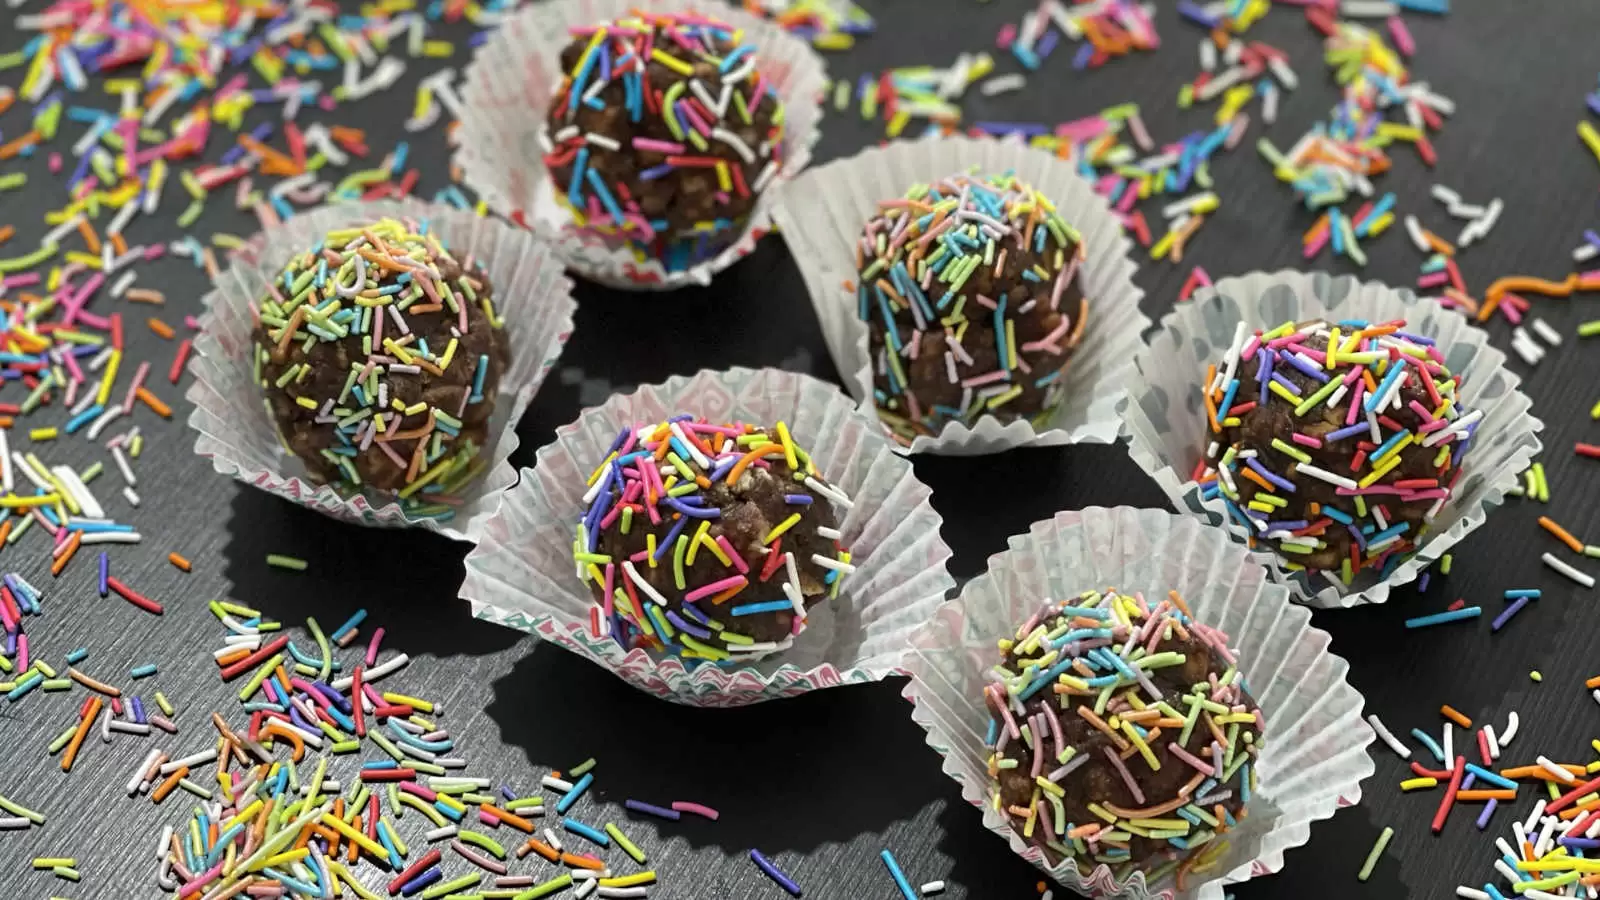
(1433, 279)
(715, 587)
(1315, 247)
(55, 163)
(1402, 36)
(372, 646)
(696, 808)
(1305, 440)
(1006, 36)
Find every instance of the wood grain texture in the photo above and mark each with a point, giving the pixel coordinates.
(824, 782)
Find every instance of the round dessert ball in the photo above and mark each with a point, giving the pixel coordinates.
(663, 134)
(1336, 444)
(379, 354)
(971, 293)
(709, 541)
(1122, 734)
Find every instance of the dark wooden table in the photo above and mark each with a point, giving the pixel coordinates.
(823, 783)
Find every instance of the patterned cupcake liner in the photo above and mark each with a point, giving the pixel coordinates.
(821, 214)
(521, 573)
(533, 296)
(1166, 418)
(1315, 756)
(507, 93)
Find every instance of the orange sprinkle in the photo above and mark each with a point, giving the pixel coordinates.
(90, 239)
(160, 327)
(6, 231)
(745, 461)
(1561, 534)
(539, 847)
(1591, 684)
(66, 555)
(165, 788)
(118, 244)
(154, 402)
(1523, 284)
(178, 560)
(15, 147)
(84, 723)
(1449, 712)
(145, 295)
(510, 818)
(1486, 795)
(582, 862)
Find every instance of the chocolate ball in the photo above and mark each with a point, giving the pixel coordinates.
(709, 541)
(971, 293)
(379, 355)
(1122, 734)
(1335, 444)
(663, 134)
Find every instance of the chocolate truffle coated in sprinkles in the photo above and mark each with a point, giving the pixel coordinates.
(380, 354)
(709, 541)
(1335, 443)
(1122, 734)
(663, 134)
(971, 293)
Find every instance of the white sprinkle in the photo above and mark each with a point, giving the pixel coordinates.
(1585, 253)
(1002, 84)
(1530, 352)
(1283, 73)
(1494, 745)
(1414, 229)
(1545, 763)
(1449, 742)
(1325, 475)
(636, 578)
(1471, 893)
(557, 784)
(131, 495)
(936, 887)
(1510, 731)
(1444, 195)
(833, 564)
(603, 142)
(439, 834)
(1208, 55)
(1543, 329)
(1567, 570)
(1388, 737)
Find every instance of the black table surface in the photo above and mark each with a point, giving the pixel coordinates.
(824, 782)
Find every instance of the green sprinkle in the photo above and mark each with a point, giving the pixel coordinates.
(278, 560)
(1374, 853)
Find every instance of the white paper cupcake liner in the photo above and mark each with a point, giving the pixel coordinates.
(507, 95)
(1315, 757)
(821, 214)
(1167, 422)
(532, 295)
(521, 573)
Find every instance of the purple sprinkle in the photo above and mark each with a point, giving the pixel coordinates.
(1029, 129)
(137, 709)
(797, 499)
(1488, 810)
(1349, 431)
(1269, 475)
(1080, 60)
(1422, 585)
(652, 809)
(1504, 617)
(105, 569)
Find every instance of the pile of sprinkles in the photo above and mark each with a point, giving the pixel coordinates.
(702, 124)
(1185, 752)
(1338, 158)
(927, 265)
(373, 426)
(1107, 30)
(687, 489)
(1371, 392)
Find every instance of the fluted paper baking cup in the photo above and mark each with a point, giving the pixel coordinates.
(1166, 418)
(521, 573)
(507, 95)
(822, 212)
(1315, 756)
(532, 295)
